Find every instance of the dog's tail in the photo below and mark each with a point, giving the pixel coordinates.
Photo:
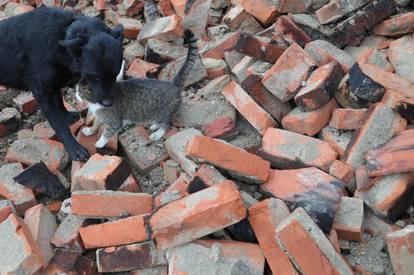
(192, 57)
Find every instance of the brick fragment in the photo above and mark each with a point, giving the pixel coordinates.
(6, 208)
(341, 171)
(235, 160)
(393, 157)
(349, 219)
(215, 67)
(337, 139)
(133, 51)
(63, 261)
(263, 10)
(20, 252)
(209, 175)
(258, 47)
(166, 28)
(177, 190)
(287, 150)
(25, 103)
(375, 131)
(43, 129)
(13, 8)
(131, 184)
(214, 87)
(22, 197)
(363, 86)
(347, 118)
(220, 127)
(290, 32)
(333, 11)
(258, 117)
(9, 120)
(401, 246)
(42, 226)
(164, 51)
(132, 7)
(171, 170)
(67, 233)
(131, 27)
(31, 151)
(324, 52)
(171, 226)
(285, 77)
(309, 123)
(237, 257)
(264, 218)
(218, 47)
(237, 18)
(101, 173)
(398, 25)
(89, 142)
(140, 68)
(308, 247)
(320, 87)
(400, 57)
(119, 232)
(129, 257)
(142, 155)
(240, 70)
(389, 196)
(156, 270)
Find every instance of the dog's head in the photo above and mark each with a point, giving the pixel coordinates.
(97, 57)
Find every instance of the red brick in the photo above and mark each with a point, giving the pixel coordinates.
(333, 11)
(119, 232)
(100, 5)
(215, 67)
(264, 10)
(333, 238)
(101, 173)
(393, 157)
(166, 28)
(63, 261)
(129, 257)
(48, 3)
(258, 117)
(375, 131)
(43, 129)
(376, 226)
(309, 123)
(25, 103)
(290, 31)
(240, 70)
(231, 158)
(264, 218)
(398, 25)
(139, 68)
(131, 184)
(337, 139)
(133, 7)
(21, 196)
(13, 8)
(399, 124)
(363, 182)
(347, 119)
(54, 206)
(220, 127)
(289, 150)
(20, 253)
(156, 270)
(401, 248)
(284, 79)
(308, 247)
(185, 219)
(320, 87)
(67, 234)
(349, 219)
(341, 171)
(110, 203)
(237, 18)
(217, 48)
(177, 190)
(131, 27)
(42, 226)
(6, 208)
(259, 47)
(209, 175)
(9, 120)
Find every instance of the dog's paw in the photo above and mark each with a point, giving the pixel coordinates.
(77, 152)
(157, 135)
(88, 131)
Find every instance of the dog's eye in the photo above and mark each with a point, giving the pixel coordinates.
(92, 78)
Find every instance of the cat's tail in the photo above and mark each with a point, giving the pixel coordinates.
(191, 59)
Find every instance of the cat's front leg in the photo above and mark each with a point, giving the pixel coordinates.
(89, 131)
(107, 134)
(160, 132)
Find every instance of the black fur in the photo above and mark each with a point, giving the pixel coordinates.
(43, 49)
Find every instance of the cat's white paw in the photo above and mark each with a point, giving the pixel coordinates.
(157, 135)
(154, 127)
(102, 141)
(88, 131)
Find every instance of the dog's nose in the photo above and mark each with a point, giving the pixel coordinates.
(106, 102)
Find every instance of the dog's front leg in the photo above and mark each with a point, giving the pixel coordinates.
(53, 111)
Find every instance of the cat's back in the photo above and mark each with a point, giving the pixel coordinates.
(137, 86)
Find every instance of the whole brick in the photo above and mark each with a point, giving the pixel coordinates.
(31, 151)
(165, 28)
(308, 247)
(264, 218)
(42, 226)
(235, 160)
(171, 226)
(320, 87)
(349, 219)
(20, 252)
(347, 118)
(289, 150)
(284, 79)
(309, 123)
(129, 257)
(67, 234)
(21, 196)
(105, 203)
(119, 232)
(333, 11)
(257, 117)
(264, 10)
(398, 25)
(101, 173)
(401, 246)
(6, 208)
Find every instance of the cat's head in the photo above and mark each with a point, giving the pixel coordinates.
(84, 93)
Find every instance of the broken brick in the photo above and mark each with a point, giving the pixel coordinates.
(131, 27)
(67, 233)
(20, 254)
(285, 77)
(140, 152)
(347, 118)
(290, 32)
(235, 160)
(398, 25)
(171, 170)
(177, 190)
(119, 232)
(263, 10)
(209, 175)
(217, 48)
(129, 257)
(156, 270)
(258, 117)
(363, 86)
(133, 7)
(42, 226)
(308, 247)
(25, 103)
(287, 150)
(63, 261)
(333, 11)
(162, 51)
(221, 203)
(214, 87)
(341, 171)
(101, 173)
(139, 68)
(337, 139)
(309, 123)
(165, 28)
(264, 218)
(220, 127)
(401, 246)
(261, 48)
(237, 18)
(133, 51)
(31, 151)
(349, 218)
(13, 8)
(320, 87)
(215, 67)
(6, 208)
(104, 203)
(22, 197)
(240, 70)
(131, 184)
(9, 119)
(376, 226)
(399, 55)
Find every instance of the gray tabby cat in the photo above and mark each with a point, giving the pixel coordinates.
(141, 101)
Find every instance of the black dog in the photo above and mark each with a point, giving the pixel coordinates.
(43, 49)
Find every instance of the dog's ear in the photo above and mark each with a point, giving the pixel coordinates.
(72, 43)
(117, 32)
